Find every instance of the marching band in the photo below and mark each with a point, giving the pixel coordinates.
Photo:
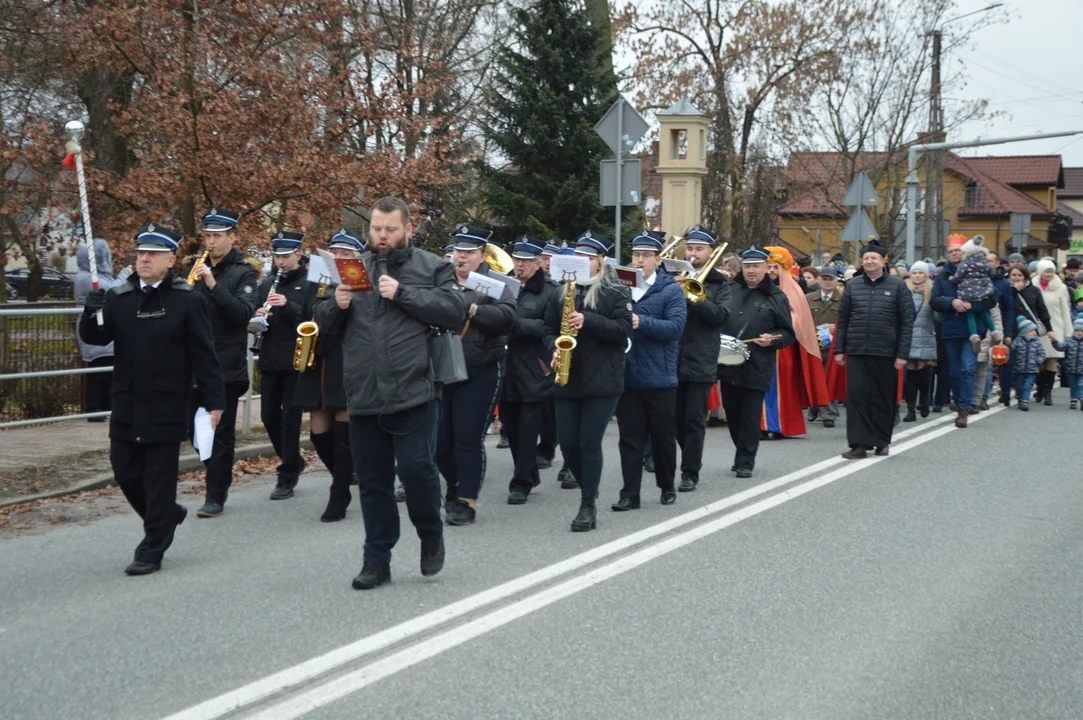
(402, 377)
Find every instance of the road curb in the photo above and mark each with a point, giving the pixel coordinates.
(187, 462)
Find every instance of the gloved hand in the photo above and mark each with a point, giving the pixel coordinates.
(95, 300)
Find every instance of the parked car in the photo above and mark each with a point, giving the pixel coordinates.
(13, 293)
(53, 283)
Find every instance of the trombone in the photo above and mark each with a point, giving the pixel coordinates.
(693, 287)
(668, 250)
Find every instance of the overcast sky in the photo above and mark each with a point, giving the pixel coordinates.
(1032, 70)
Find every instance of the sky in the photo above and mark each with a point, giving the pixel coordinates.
(1031, 71)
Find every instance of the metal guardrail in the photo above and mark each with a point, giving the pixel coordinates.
(62, 332)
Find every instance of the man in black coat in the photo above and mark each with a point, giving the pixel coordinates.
(872, 339)
(528, 385)
(697, 364)
(283, 310)
(230, 285)
(162, 339)
(759, 312)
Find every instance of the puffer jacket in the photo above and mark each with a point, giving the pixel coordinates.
(698, 361)
(1073, 355)
(953, 325)
(103, 258)
(1029, 303)
(232, 303)
(487, 335)
(529, 378)
(1028, 353)
(597, 368)
(385, 342)
(753, 312)
(652, 360)
(923, 339)
(876, 317)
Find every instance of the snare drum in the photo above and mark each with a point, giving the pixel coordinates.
(732, 351)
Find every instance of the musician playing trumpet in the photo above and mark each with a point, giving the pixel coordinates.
(759, 312)
(320, 387)
(229, 284)
(696, 367)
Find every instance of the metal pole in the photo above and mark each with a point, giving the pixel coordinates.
(912, 166)
(620, 162)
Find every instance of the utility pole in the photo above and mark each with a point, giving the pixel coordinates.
(934, 161)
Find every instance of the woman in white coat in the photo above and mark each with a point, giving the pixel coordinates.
(1055, 295)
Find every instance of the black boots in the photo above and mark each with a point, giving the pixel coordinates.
(911, 414)
(1047, 379)
(587, 519)
(333, 447)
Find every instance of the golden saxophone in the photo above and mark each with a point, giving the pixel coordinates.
(566, 342)
(192, 279)
(304, 350)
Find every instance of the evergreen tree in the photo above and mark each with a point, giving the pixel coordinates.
(553, 83)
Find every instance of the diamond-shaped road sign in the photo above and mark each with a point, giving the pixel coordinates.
(861, 192)
(859, 228)
(621, 124)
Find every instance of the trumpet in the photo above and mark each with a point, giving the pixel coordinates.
(693, 287)
(192, 279)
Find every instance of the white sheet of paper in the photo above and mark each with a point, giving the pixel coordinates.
(513, 284)
(322, 268)
(203, 439)
(569, 267)
(484, 285)
(612, 262)
(676, 267)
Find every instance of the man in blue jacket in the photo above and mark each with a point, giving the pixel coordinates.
(962, 361)
(650, 375)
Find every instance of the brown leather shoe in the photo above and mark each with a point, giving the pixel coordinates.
(857, 452)
(984, 405)
(960, 419)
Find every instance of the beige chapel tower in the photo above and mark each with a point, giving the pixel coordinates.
(682, 164)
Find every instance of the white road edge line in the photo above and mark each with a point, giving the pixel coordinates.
(301, 673)
(321, 695)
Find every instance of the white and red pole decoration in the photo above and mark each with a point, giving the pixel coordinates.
(74, 130)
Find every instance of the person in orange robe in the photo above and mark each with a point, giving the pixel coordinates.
(799, 380)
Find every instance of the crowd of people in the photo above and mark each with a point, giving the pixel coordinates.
(405, 374)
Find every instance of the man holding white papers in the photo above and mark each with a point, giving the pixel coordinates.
(467, 406)
(162, 338)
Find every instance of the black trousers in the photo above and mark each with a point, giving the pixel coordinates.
(691, 414)
(643, 413)
(147, 475)
(96, 396)
(523, 421)
(382, 445)
(282, 420)
(917, 387)
(220, 464)
(581, 424)
(466, 410)
(547, 434)
(871, 389)
(743, 409)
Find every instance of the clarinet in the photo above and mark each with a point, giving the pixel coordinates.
(258, 325)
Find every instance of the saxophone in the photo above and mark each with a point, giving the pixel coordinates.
(192, 279)
(566, 342)
(304, 350)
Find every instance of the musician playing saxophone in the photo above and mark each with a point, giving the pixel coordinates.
(697, 364)
(602, 318)
(321, 391)
(229, 284)
(284, 310)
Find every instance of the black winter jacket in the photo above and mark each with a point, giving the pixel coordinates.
(530, 378)
(155, 358)
(232, 303)
(1032, 297)
(280, 337)
(598, 359)
(321, 386)
(487, 336)
(753, 312)
(699, 345)
(385, 346)
(876, 317)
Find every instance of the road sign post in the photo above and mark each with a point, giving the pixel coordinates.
(620, 127)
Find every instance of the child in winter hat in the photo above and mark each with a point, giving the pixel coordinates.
(975, 279)
(1028, 355)
(1073, 361)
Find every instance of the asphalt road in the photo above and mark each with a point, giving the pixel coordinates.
(942, 582)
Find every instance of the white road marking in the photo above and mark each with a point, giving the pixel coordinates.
(304, 672)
